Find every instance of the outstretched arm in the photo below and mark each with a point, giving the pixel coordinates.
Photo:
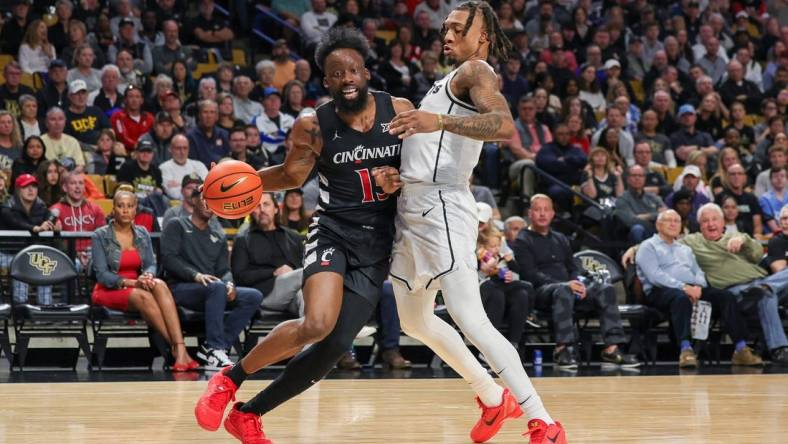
(493, 123)
(307, 144)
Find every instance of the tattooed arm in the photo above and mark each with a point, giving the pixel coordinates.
(307, 143)
(493, 123)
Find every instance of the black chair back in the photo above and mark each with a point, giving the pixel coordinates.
(42, 265)
(598, 265)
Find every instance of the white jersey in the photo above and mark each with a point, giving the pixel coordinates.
(441, 157)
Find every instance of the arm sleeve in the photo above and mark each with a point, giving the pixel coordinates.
(174, 264)
(752, 249)
(244, 273)
(648, 265)
(100, 267)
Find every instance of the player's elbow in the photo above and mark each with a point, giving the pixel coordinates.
(507, 129)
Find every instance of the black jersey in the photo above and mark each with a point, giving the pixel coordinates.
(348, 193)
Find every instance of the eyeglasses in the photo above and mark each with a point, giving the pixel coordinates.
(735, 174)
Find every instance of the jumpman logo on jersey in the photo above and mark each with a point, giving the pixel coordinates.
(336, 136)
(384, 127)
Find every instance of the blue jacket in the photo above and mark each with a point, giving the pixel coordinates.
(565, 163)
(205, 149)
(106, 254)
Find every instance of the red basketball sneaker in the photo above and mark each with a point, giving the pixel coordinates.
(493, 417)
(247, 427)
(541, 433)
(209, 410)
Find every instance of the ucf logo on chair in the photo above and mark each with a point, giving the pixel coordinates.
(42, 263)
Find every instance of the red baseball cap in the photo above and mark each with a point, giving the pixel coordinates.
(25, 180)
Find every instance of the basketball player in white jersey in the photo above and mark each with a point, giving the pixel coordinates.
(437, 226)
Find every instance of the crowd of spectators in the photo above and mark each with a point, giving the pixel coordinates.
(639, 107)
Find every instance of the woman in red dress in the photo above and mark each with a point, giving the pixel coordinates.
(125, 269)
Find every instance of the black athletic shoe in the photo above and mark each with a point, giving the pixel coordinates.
(620, 359)
(780, 356)
(565, 358)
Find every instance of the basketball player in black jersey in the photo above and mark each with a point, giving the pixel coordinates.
(348, 245)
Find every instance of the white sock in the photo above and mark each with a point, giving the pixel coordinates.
(419, 321)
(464, 302)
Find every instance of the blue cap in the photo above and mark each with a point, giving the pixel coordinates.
(271, 90)
(686, 109)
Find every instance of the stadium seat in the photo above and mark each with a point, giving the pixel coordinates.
(108, 323)
(204, 68)
(45, 265)
(262, 324)
(5, 59)
(239, 57)
(5, 343)
(98, 181)
(673, 174)
(105, 205)
(110, 183)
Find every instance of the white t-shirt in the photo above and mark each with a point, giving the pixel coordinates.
(172, 174)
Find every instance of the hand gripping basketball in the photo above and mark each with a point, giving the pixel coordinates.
(232, 189)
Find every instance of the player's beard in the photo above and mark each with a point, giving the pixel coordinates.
(351, 106)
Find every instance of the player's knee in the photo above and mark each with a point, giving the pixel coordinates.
(315, 330)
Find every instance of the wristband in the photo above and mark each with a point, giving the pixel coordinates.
(440, 122)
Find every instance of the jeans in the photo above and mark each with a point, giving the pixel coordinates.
(675, 301)
(768, 312)
(388, 319)
(220, 332)
(562, 302)
(507, 304)
(21, 289)
(638, 233)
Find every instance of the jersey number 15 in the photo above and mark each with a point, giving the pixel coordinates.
(370, 195)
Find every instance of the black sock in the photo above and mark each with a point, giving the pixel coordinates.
(237, 374)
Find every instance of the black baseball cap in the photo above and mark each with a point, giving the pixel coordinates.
(163, 116)
(145, 145)
(57, 63)
(125, 21)
(190, 179)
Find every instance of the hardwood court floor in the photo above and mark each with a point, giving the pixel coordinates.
(659, 409)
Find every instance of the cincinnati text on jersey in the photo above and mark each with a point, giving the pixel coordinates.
(361, 153)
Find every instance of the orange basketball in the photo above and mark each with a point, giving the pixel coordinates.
(232, 189)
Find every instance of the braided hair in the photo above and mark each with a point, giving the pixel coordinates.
(500, 45)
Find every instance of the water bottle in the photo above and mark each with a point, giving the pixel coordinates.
(538, 357)
(502, 272)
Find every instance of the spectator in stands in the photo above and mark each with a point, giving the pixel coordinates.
(533, 134)
(689, 139)
(266, 70)
(775, 134)
(160, 136)
(397, 71)
(710, 115)
(294, 215)
(484, 194)
(602, 180)
(768, 111)
(673, 282)
(590, 91)
(77, 214)
(172, 106)
(655, 180)
(294, 96)
(638, 209)
(269, 258)
(738, 122)
(566, 163)
(10, 141)
(273, 125)
(750, 213)
(777, 160)
(512, 227)
(55, 91)
(211, 30)
(752, 68)
(131, 122)
(83, 68)
(58, 32)
(15, 25)
(662, 105)
(170, 50)
(174, 170)
(546, 261)
(12, 89)
(730, 261)
(727, 158)
(78, 36)
(690, 182)
(29, 123)
(207, 142)
(83, 122)
(60, 146)
(154, 102)
(426, 78)
(316, 23)
(103, 160)
(185, 208)
(730, 214)
(239, 151)
(737, 88)
(245, 108)
(711, 62)
(777, 256)
(140, 171)
(616, 120)
(313, 89)
(226, 109)
(125, 268)
(129, 75)
(35, 52)
(515, 86)
(108, 98)
(195, 259)
(26, 211)
(507, 300)
(48, 178)
(682, 204)
(436, 10)
(224, 78)
(31, 157)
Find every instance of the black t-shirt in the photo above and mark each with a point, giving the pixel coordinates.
(748, 207)
(8, 156)
(659, 143)
(9, 101)
(604, 188)
(144, 181)
(215, 23)
(778, 249)
(87, 125)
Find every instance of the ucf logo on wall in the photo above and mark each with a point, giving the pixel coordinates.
(42, 263)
